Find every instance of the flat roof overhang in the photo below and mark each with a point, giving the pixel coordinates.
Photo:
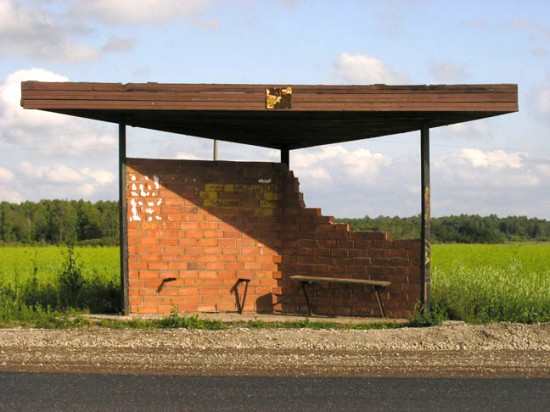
(311, 115)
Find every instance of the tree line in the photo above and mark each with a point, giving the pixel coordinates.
(461, 228)
(60, 222)
(83, 222)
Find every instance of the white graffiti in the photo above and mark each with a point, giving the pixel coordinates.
(141, 195)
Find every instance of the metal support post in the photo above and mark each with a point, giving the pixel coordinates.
(123, 218)
(285, 156)
(215, 154)
(425, 275)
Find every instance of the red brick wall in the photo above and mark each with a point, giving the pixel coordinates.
(196, 227)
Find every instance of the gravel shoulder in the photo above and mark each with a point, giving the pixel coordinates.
(454, 350)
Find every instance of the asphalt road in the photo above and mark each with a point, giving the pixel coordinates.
(94, 392)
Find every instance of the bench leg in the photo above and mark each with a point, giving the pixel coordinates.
(310, 312)
(379, 302)
(240, 305)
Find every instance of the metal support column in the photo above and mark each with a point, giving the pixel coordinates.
(123, 218)
(215, 151)
(285, 156)
(425, 275)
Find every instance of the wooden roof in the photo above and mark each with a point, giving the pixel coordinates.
(281, 117)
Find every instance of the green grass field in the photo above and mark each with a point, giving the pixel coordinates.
(483, 283)
(18, 263)
(475, 283)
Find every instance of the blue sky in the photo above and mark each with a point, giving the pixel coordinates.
(499, 165)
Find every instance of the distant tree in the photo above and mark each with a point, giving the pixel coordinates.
(108, 219)
(88, 220)
(63, 222)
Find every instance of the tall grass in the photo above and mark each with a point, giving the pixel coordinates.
(41, 285)
(492, 283)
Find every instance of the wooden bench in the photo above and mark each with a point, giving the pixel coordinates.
(308, 280)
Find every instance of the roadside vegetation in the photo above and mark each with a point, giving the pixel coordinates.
(53, 287)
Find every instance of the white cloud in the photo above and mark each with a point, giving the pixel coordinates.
(351, 180)
(35, 32)
(57, 173)
(496, 169)
(6, 175)
(353, 165)
(132, 12)
(7, 194)
(12, 116)
(101, 177)
(497, 158)
(473, 129)
(474, 181)
(86, 190)
(447, 72)
(45, 132)
(186, 156)
(61, 173)
(364, 69)
(84, 182)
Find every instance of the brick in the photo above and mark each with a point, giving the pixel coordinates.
(245, 258)
(188, 291)
(193, 250)
(197, 234)
(227, 307)
(147, 309)
(165, 309)
(212, 251)
(223, 243)
(207, 242)
(207, 275)
(148, 274)
(215, 266)
(135, 300)
(148, 292)
(376, 253)
(169, 291)
(168, 242)
(339, 252)
(207, 308)
(209, 225)
(213, 233)
(170, 258)
(157, 265)
(231, 250)
(148, 241)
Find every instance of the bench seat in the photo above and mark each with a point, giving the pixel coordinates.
(375, 284)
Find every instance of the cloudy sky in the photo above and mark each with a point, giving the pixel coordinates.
(499, 165)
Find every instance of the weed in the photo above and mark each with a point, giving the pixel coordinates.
(433, 317)
(71, 280)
